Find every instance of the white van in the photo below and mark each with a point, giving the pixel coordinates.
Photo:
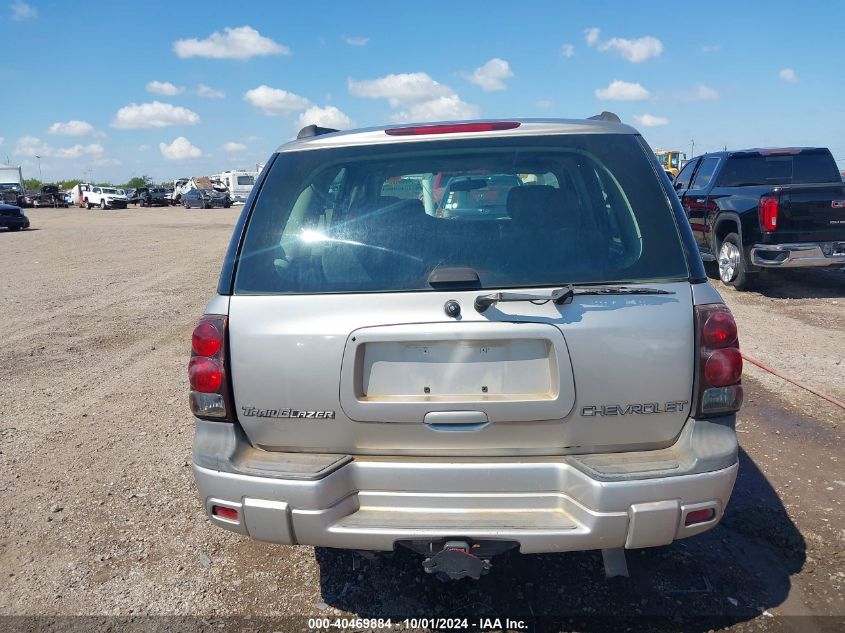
(239, 183)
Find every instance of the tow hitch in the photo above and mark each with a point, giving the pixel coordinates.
(456, 561)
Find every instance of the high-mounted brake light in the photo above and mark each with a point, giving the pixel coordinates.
(452, 128)
(207, 370)
(768, 209)
(719, 362)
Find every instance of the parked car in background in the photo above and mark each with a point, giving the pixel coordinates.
(13, 218)
(153, 197)
(105, 198)
(49, 196)
(477, 197)
(763, 209)
(205, 199)
(370, 376)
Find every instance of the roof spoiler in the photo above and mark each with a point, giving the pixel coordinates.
(314, 130)
(605, 116)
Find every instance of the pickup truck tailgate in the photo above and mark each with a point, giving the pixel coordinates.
(811, 213)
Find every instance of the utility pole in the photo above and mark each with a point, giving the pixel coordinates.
(692, 148)
(40, 176)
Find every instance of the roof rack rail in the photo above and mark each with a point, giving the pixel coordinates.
(605, 116)
(314, 130)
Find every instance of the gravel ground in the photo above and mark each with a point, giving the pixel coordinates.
(101, 516)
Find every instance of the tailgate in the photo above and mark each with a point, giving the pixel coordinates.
(377, 374)
(811, 213)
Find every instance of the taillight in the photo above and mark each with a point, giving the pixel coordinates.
(230, 514)
(210, 392)
(452, 128)
(768, 213)
(719, 361)
(700, 516)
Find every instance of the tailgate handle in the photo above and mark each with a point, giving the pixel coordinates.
(456, 420)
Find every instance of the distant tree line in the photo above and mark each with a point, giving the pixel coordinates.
(34, 184)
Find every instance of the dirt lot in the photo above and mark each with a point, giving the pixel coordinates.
(100, 515)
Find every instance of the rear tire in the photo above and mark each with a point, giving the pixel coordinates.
(103, 205)
(88, 205)
(732, 265)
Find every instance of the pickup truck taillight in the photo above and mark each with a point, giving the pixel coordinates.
(719, 362)
(768, 210)
(210, 394)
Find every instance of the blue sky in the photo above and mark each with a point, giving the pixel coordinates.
(115, 89)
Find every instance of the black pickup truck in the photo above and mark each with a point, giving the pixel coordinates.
(759, 209)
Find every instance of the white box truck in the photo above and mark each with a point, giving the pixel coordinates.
(12, 189)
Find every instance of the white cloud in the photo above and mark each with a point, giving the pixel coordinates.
(72, 128)
(567, 50)
(22, 11)
(650, 120)
(623, 91)
(711, 48)
(356, 41)
(238, 43)
(275, 101)
(400, 89)
(491, 76)
(210, 93)
(231, 146)
(2, 141)
(179, 149)
(329, 116)
(543, 104)
(440, 109)
(164, 88)
(788, 75)
(143, 148)
(699, 92)
(422, 98)
(33, 146)
(155, 114)
(636, 51)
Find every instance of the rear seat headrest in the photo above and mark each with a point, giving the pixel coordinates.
(535, 204)
(399, 209)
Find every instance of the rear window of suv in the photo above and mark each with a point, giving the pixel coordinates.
(519, 211)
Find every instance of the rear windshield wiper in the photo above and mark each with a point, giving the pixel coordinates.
(562, 296)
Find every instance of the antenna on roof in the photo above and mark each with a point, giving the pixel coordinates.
(606, 116)
(314, 130)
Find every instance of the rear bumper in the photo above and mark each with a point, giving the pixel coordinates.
(544, 504)
(14, 221)
(803, 255)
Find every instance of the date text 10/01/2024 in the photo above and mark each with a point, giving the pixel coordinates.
(417, 623)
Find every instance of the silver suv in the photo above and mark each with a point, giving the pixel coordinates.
(536, 361)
